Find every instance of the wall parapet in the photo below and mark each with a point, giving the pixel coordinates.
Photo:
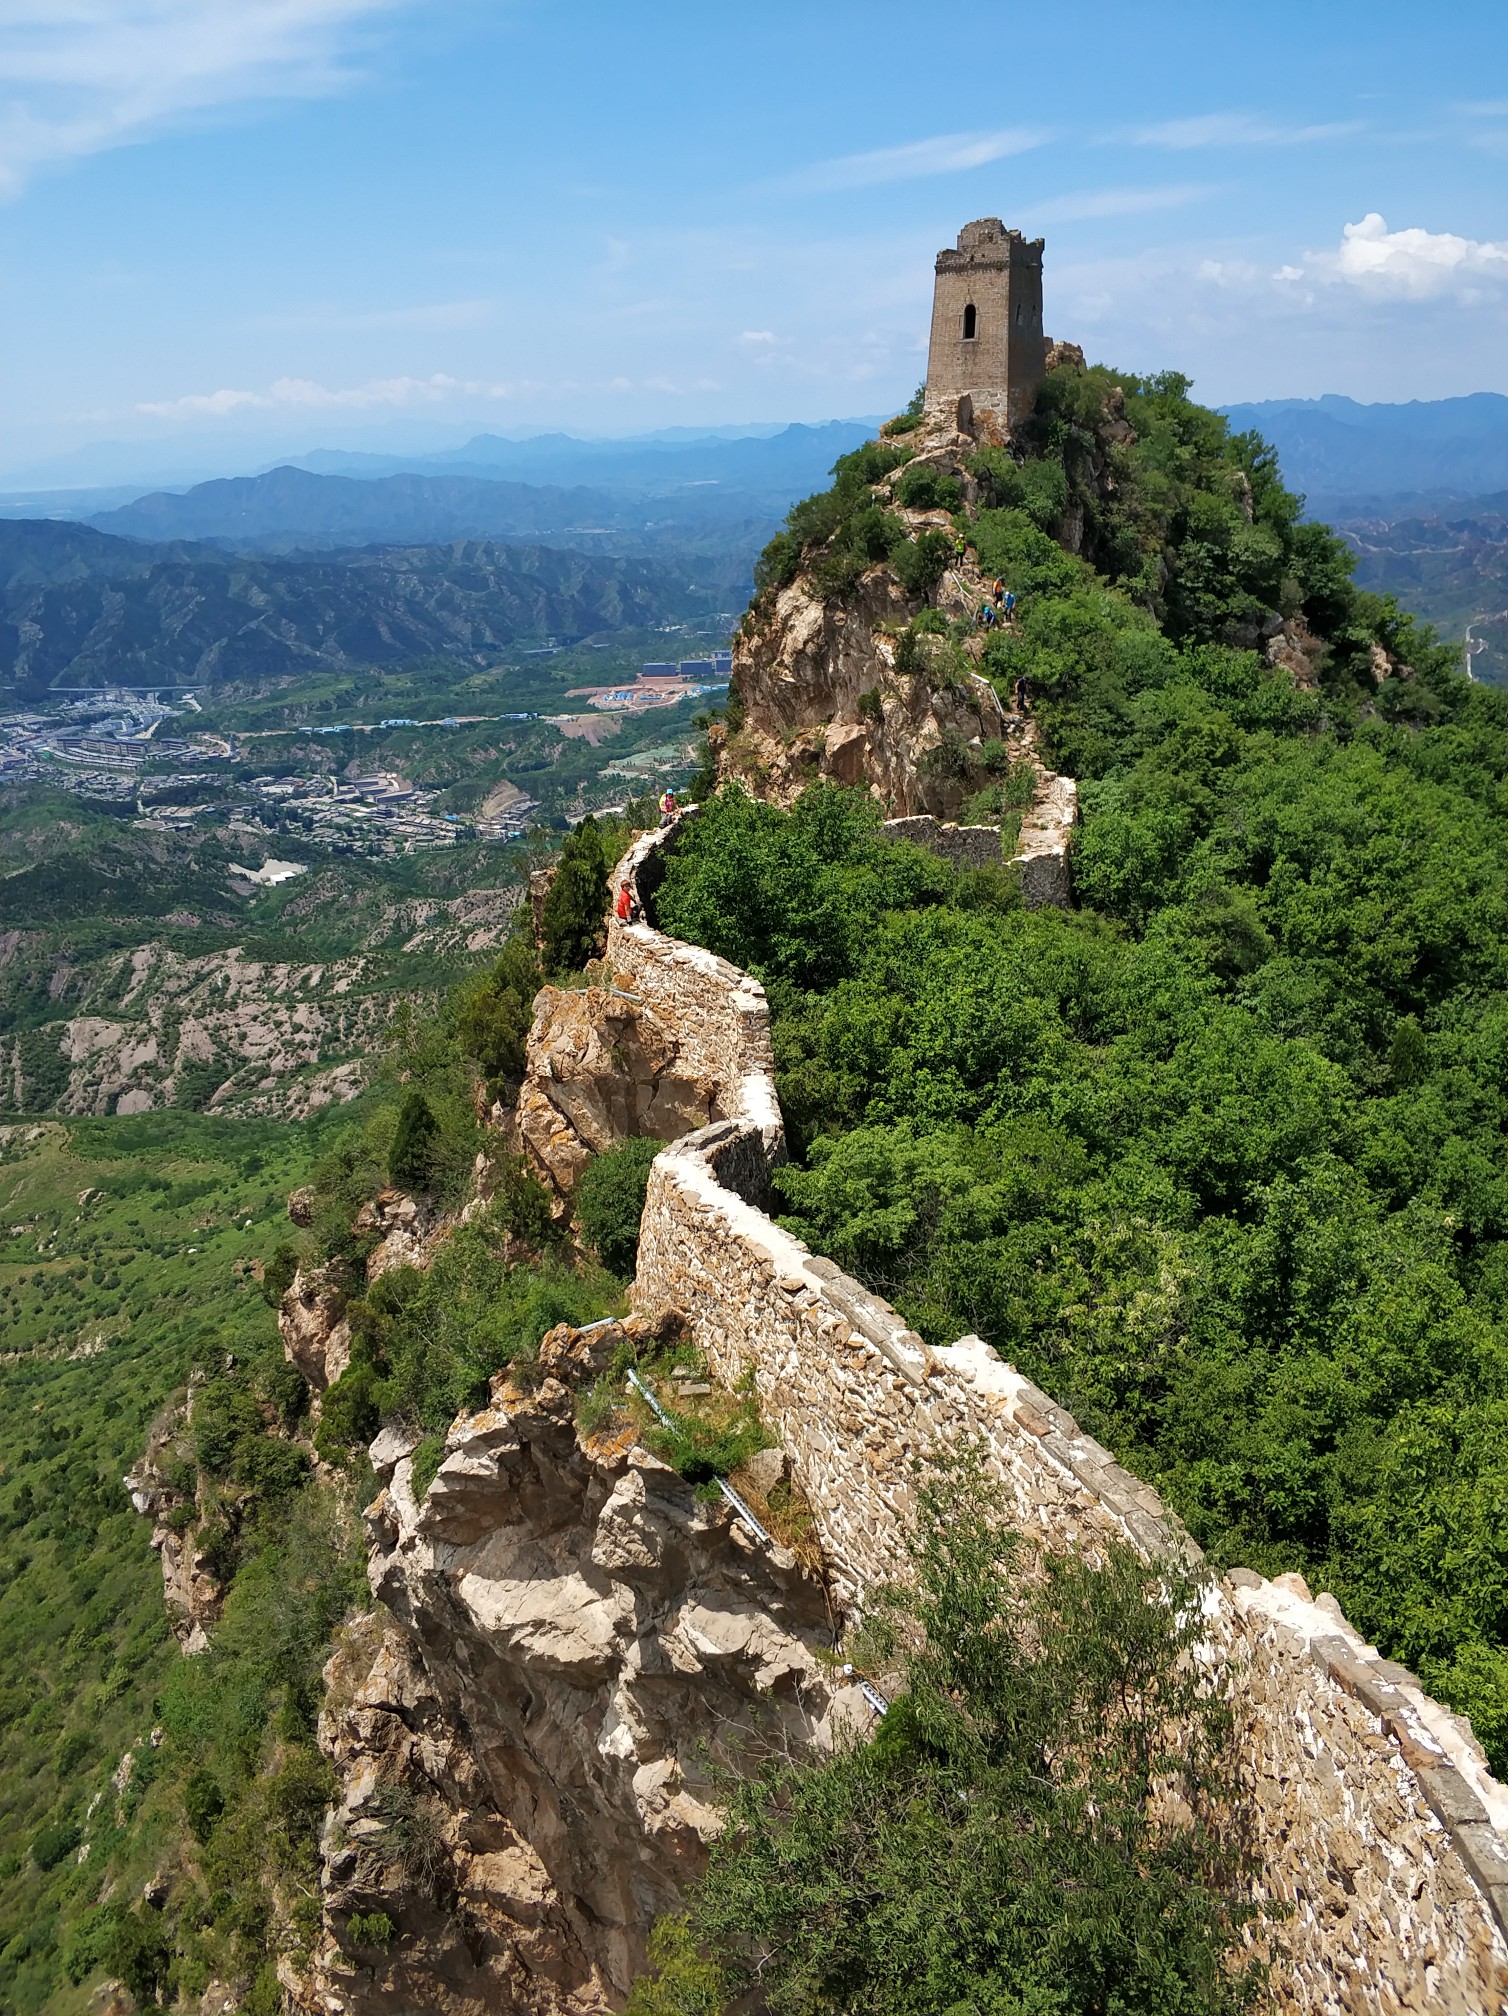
(1382, 1833)
(721, 1014)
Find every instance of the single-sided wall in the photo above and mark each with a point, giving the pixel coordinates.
(1384, 1838)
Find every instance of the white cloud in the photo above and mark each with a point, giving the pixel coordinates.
(755, 338)
(1239, 274)
(1088, 203)
(1414, 264)
(945, 154)
(290, 393)
(1235, 129)
(295, 395)
(80, 76)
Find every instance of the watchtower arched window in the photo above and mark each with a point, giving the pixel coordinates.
(1018, 314)
(970, 323)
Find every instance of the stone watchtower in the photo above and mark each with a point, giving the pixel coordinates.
(987, 344)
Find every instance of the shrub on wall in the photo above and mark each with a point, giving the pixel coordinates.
(923, 488)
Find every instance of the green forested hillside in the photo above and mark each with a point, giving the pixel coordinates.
(197, 617)
(1217, 1157)
(126, 1259)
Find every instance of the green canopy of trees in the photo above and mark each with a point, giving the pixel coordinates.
(1218, 1156)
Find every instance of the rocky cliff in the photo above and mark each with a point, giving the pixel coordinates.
(570, 1646)
(838, 686)
(189, 1534)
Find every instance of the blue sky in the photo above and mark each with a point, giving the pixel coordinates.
(235, 229)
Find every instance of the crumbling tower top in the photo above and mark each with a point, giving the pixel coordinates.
(987, 343)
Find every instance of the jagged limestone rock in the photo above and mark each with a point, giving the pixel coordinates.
(602, 1067)
(572, 1640)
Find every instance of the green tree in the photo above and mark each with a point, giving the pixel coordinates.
(923, 488)
(921, 563)
(1044, 1820)
(573, 918)
(411, 1159)
(139, 1953)
(494, 1013)
(609, 1202)
(203, 1804)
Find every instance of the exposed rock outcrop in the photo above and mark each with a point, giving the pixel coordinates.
(418, 1839)
(802, 667)
(316, 1335)
(581, 1643)
(828, 690)
(602, 1066)
(136, 1027)
(1294, 646)
(402, 1225)
(311, 1317)
(188, 1542)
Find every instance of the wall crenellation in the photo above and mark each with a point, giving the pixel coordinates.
(1381, 1831)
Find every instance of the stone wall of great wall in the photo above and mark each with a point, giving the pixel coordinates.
(1384, 1838)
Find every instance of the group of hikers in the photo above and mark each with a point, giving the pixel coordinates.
(999, 605)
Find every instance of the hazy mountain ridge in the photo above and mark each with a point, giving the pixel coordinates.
(46, 553)
(778, 465)
(717, 496)
(289, 504)
(1338, 451)
(290, 509)
(73, 613)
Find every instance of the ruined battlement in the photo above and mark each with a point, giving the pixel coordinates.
(988, 243)
(1383, 1836)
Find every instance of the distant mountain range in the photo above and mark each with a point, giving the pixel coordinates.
(289, 510)
(1344, 456)
(717, 499)
(721, 493)
(775, 468)
(352, 559)
(81, 608)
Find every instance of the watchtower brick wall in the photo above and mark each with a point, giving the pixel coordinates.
(987, 343)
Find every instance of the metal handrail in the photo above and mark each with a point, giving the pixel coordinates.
(740, 1509)
(867, 1688)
